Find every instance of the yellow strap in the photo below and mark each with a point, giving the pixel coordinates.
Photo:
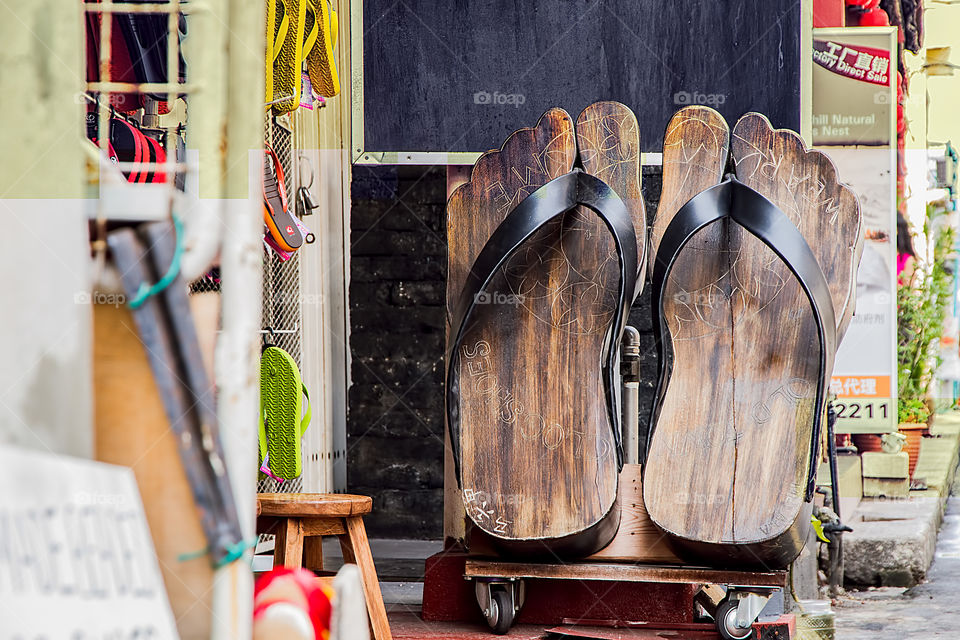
(818, 528)
(281, 35)
(269, 28)
(334, 27)
(305, 422)
(311, 37)
(262, 437)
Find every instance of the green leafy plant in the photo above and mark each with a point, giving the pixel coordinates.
(921, 312)
(912, 410)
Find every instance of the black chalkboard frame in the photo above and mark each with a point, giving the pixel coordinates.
(362, 155)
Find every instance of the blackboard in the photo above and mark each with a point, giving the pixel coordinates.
(459, 76)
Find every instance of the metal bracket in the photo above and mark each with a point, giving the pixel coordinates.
(749, 605)
(515, 588)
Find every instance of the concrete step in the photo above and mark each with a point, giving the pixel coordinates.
(894, 540)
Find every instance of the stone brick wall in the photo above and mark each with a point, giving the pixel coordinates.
(398, 265)
(397, 288)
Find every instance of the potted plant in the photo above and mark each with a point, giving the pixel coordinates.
(921, 312)
(912, 418)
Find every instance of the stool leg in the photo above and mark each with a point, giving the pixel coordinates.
(288, 549)
(313, 553)
(356, 549)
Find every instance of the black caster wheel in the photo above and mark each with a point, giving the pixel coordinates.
(726, 618)
(500, 613)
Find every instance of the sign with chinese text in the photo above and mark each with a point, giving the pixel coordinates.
(854, 122)
(852, 61)
(851, 80)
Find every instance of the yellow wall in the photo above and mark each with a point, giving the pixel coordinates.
(942, 23)
(45, 394)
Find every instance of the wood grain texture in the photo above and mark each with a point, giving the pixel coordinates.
(637, 539)
(356, 549)
(312, 552)
(825, 210)
(323, 526)
(727, 474)
(776, 390)
(630, 573)
(689, 471)
(609, 145)
(313, 504)
(288, 546)
(537, 447)
(131, 429)
(311, 525)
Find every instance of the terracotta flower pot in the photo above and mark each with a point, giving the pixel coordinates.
(867, 442)
(843, 440)
(914, 433)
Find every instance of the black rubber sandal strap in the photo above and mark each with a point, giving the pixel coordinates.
(543, 205)
(738, 202)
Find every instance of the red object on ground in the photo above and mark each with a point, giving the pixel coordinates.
(828, 13)
(295, 589)
(406, 625)
(446, 595)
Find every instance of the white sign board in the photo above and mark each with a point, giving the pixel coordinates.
(854, 122)
(865, 373)
(76, 558)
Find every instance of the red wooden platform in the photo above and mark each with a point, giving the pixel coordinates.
(408, 625)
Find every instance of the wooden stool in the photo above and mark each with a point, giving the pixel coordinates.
(300, 520)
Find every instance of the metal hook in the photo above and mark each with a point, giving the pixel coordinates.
(305, 160)
(269, 342)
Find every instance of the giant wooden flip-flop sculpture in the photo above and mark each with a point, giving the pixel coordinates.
(753, 287)
(545, 245)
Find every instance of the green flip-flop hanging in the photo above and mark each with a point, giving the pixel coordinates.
(282, 395)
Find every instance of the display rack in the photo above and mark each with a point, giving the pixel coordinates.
(218, 54)
(282, 298)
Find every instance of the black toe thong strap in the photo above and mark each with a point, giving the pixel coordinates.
(553, 199)
(734, 200)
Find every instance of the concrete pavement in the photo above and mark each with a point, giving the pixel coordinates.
(928, 610)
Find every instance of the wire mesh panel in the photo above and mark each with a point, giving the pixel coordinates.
(281, 280)
(281, 312)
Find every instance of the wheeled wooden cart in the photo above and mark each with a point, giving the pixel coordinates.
(735, 599)
(500, 457)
